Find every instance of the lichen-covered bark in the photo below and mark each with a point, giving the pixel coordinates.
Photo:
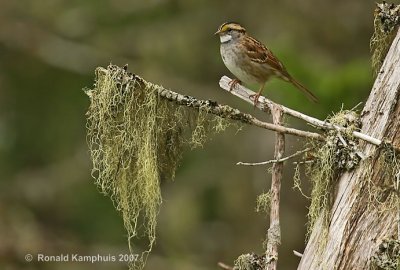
(358, 224)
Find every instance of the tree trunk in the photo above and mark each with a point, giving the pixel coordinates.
(358, 225)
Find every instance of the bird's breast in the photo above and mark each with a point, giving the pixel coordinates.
(240, 65)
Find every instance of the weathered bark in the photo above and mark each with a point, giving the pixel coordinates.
(357, 226)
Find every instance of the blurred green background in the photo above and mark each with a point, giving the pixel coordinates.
(48, 52)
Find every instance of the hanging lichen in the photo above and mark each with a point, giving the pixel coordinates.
(339, 152)
(264, 202)
(136, 139)
(386, 23)
(297, 179)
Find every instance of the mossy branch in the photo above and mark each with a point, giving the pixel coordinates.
(208, 106)
(226, 111)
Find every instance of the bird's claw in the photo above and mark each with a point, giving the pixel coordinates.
(232, 84)
(255, 97)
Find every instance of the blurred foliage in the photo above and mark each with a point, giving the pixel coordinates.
(48, 52)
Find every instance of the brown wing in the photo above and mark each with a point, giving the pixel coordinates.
(260, 54)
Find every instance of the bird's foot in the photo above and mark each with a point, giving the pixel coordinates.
(255, 98)
(232, 84)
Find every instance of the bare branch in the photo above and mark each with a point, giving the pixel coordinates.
(298, 153)
(274, 230)
(265, 105)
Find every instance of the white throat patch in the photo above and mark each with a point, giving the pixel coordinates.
(225, 38)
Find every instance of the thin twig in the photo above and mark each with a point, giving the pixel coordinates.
(303, 162)
(340, 136)
(224, 266)
(265, 104)
(298, 153)
(298, 254)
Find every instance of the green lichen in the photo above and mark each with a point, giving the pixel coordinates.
(244, 262)
(136, 140)
(249, 261)
(297, 179)
(263, 202)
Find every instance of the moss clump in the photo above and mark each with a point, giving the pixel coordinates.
(386, 22)
(249, 261)
(136, 139)
(388, 256)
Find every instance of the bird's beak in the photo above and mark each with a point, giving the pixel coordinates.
(216, 33)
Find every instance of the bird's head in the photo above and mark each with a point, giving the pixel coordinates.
(229, 31)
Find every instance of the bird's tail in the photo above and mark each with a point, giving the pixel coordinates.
(303, 89)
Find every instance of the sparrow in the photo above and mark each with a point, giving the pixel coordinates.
(251, 62)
